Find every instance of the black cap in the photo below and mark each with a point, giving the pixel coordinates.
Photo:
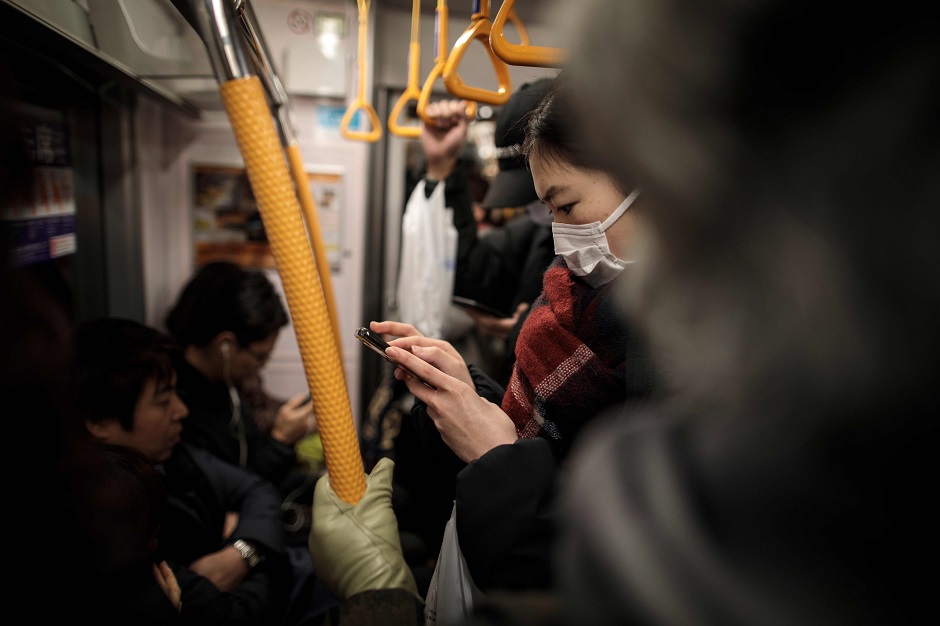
(512, 187)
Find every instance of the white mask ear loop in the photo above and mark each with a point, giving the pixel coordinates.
(620, 210)
(237, 423)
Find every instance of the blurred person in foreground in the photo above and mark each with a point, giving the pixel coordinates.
(791, 277)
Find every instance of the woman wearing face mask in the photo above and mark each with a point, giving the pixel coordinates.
(575, 357)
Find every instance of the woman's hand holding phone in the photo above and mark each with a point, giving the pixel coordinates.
(374, 342)
(470, 425)
(438, 352)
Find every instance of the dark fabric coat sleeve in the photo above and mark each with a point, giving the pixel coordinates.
(256, 601)
(505, 522)
(433, 467)
(209, 426)
(257, 501)
(505, 267)
(488, 268)
(268, 457)
(428, 435)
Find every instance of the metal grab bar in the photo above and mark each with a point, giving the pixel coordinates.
(440, 44)
(479, 30)
(283, 116)
(268, 173)
(360, 103)
(412, 91)
(520, 54)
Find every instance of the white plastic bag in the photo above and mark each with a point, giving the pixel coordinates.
(451, 594)
(428, 260)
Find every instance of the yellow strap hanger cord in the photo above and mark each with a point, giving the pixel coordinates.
(413, 90)
(360, 103)
(440, 58)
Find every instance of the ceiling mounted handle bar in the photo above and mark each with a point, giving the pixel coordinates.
(520, 54)
(280, 103)
(268, 173)
(440, 58)
(360, 103)
(479, 30)
(258, 46)
(412, 91)
(258, 52)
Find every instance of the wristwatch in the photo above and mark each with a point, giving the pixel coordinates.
(248, 551)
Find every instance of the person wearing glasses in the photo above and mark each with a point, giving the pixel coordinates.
(227, 320)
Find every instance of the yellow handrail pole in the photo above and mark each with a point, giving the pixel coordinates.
(361, 103)
(479, 30)
(281, 105)
(412, 91)
(268, 172)
(440, 57)
(520, 54)
(312, 220)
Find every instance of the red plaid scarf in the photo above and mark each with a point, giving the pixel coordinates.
(570, 359)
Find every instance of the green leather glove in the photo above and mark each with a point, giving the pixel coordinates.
(355, 547)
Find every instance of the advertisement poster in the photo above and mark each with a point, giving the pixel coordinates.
(229, 227)
(41, 216)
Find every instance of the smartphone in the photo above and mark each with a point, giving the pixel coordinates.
(467, 303)
(375, 342)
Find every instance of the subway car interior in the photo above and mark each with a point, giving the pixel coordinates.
(746, 372)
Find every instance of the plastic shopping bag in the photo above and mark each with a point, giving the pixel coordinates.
(451, 594)
(428, 259)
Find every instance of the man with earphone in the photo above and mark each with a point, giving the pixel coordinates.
(227, 321)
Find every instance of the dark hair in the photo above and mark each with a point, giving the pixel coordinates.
(114, 360)
(224, 297)
(553, 132)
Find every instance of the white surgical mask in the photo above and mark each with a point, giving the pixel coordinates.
(585, 248)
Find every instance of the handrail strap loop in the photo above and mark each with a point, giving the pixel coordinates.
(479, 30)
(520, 54)
(360, 103)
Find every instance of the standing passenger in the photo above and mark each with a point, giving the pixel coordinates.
(575, 358)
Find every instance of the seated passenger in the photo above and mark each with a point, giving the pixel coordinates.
(226, 321)
(127, 396)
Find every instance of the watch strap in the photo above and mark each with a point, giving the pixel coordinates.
(248, 551)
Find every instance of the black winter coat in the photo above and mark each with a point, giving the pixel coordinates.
(209, 426)
(201, 489)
